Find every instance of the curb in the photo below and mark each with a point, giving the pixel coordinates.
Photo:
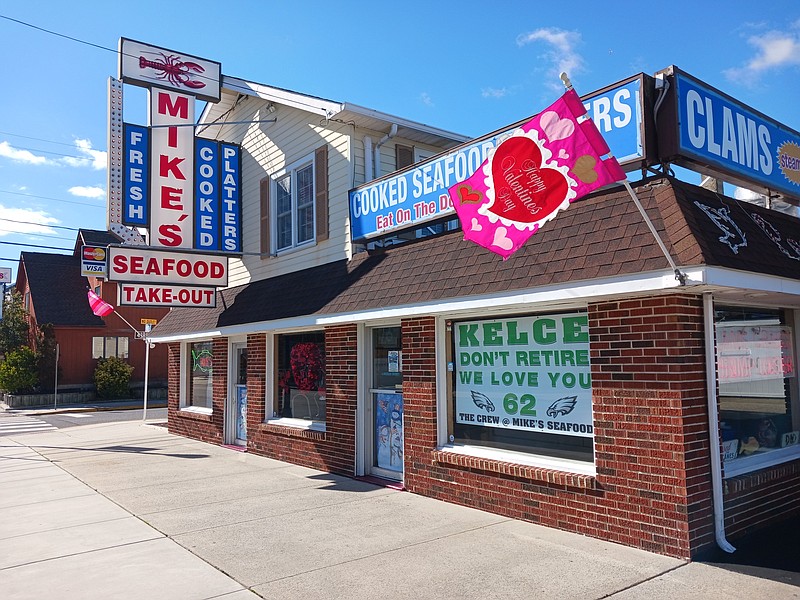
(39, 410)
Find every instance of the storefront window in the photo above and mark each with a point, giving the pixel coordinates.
(524, 384)
(756, 373)
(301, 377)
(201, 375)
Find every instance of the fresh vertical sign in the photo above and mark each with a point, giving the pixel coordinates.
(136, 175)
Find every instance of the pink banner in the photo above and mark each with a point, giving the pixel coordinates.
(545, 164)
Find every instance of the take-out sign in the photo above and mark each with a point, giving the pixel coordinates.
(144, 265)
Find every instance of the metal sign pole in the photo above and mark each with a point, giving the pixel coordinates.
(146, 339)
(55, 389)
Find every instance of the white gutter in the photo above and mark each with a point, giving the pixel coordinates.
(384, 139)
(713, 425)
(368, 160)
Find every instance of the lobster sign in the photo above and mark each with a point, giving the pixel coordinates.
(151, 66)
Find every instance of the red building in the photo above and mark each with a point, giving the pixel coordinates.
(55, 293)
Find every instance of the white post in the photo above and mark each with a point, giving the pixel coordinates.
(146, 339)
(55, 389)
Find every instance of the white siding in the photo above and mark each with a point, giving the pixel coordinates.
(267, 149)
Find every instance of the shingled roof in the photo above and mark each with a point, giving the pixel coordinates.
(599, 236)
(58, 292)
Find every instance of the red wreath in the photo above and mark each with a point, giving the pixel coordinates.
(308, 366)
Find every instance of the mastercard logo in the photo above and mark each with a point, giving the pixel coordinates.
(94, 253)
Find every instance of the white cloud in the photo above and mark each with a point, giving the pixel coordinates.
(426, 99)
(562, 54)
(88, 191)
(24, 156)
(494, 92)
(773, 50)
(94, 158)
(23, 220)
(88, 157)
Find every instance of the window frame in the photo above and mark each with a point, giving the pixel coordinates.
(445, 367)
(743, 465)
(185, 379)
(272, 414)
(292, 171)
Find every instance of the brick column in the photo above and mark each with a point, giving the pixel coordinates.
(341, 364)
(651, 422)
(419, 403)
(256, 381)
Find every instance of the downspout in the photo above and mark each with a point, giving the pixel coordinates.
(713, 425)
(384, 139)
(368, 159)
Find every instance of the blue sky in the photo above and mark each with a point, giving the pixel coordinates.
(468, 67)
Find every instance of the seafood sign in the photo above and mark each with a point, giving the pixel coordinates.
(145, 65)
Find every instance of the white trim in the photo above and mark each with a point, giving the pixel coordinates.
(567, 294)
(521, 458)
(440, 347)
(297, 423)
(291, 171)
(764, 460)
(327, 108)
(269, 378)
(187, 337)
(183, 376)
(199, 410)
(376, 114)
(230, 414)
(719, 276)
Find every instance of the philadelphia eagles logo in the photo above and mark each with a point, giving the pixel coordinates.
(482, 401)
(562, 406)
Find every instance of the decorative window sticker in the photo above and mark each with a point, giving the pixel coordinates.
(721, 217)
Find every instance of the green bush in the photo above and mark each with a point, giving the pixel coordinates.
(112, 378)
(18, 372)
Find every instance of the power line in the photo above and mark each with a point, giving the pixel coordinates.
(34, 246)
(58, 34)
(27, 137)
(115, 51)
(40, 224)
(54, 237)
(61, 35)
(54, 199)
(86, 158)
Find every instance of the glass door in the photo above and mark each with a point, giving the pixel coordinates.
(386, 403)
(240, 394)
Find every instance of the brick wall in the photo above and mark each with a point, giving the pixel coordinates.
(208, 428)
(332, 450)
(652, 489)
(760, 498)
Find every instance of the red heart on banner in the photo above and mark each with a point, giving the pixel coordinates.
(524, 191)
(468, 195)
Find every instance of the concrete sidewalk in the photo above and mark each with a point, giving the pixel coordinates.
(126, 510)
